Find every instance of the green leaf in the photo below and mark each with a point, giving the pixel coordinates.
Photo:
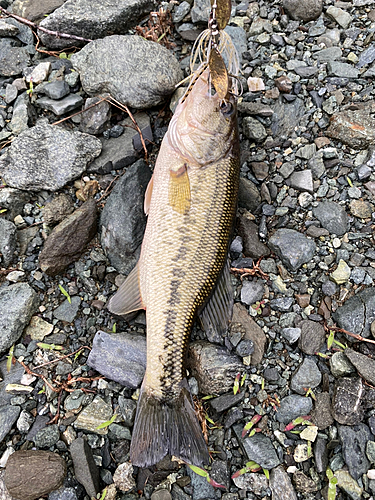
(10, 358)
(104, 494)
(340, 344)
(50, 347)
(262, 386)
(210, 396)
(266, 473)
(114, 328)
(243, 379)
(42, 390)
(349, 181)
(78, 353)
(107, 423)
(64, 292)
(331, 338)
(198, 470)
(209, 419)
(63, 55)
(236, 386)
(2, 210)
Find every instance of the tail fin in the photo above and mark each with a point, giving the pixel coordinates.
(165, 427)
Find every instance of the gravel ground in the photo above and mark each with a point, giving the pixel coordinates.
(301, 342)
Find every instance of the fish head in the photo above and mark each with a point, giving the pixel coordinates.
(204, 126)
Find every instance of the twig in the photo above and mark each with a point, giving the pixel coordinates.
(254, 271)
(30, 372)
(63, 357)
(354, 335)
(79, 112)
(45, 30)
(106, 191)
(118, 104)
(54, 53)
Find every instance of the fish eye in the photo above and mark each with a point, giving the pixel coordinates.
(226, 108)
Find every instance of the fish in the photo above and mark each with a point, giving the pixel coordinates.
(183, 268)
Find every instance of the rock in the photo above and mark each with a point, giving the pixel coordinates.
(85, 469)
(69, 239)
(21, 114)
(302, 180)
(248, 195)
(58, 209)
(23, 467)
(18, 303)
(256, 483)
(293, 248)
(252, 291)
(13, 200)
(93, 415)
(137, 61)
(303, 11)
(343, 70)
(120, 357)
(12, 59)
(242, 320)
(63, 494)
(123, 477)
(127, 409)
(226, 401)
(68, 103)
(346, 483)
(47, 437)
(161, 494)
(34, 10)
(12, 377)
(354, 441)
(283, 304)
(202, 489)
(342, 273)
(340, 365)
(181, 11)
(92, 19)
(281, 485)
(67, 311)
(322, 413)
(258, 448)
(253, 129)
(291, 334)
(292, 407)
(95, 118)
(341, 17)
(332, 217)
(328, 54)
(57, 90)
(119, 152)
(189, 31)
(286, 117)
(8, 416)
(306, 376)
(347, 401)
(24, 422)
(213, 366)
(304, 483)
(255, 84)
(364, 365)
(200, 11)
(123, 220)
(321, 454)
(7, 29)
(40, 422)
(39, 73)
(357, 313)
(8, 241)
(353, 127)
(47, 157)
(249, 231)
(361, 209)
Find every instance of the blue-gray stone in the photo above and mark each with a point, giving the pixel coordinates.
(8, 416)
(281, 485)
(63, 494)
(57, 89)
(120, 357)
(8, 241)
(258, 448)
(47, 437)
(305, 377)
(367, 56)
(282, 304)
(68, 311)
(357, 313)
(202, 490)
(292, 407)
(293, 248)
(332, 217)
(354, 440)
(252, 291)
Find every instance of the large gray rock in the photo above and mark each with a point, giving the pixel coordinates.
(357, 313)
(13, 200)
(293, 248)
(281, 485)
(12, 59)
(355, 127)
(120, 357)
(93, 19)
(47, 157)
(365, 365)
(85, 469)
(332, 217)
(8, 241)
(34, 10)
(123, 220)
(8, 416)
(18, 303)
(292, 407)
(68, 240)
(347, 401)
(306, 10)
(139, 73)
(354, 440)
(214, 367)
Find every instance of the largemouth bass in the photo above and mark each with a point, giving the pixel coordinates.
(191, 204)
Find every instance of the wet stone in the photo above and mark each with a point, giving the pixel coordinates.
(63, 494)
(253, 129)
(312, 337)
(67, 311)
(321, 454)
(249, 231)
(357, 313)
(281, 485)
(86, 472)
(241, 321)
(364, 364)
(322, 413)
(61, 106)
(293, 248)
(305, 377)
(304, 483)
(24, 466)
(354, 439)
(302, 180)
(282, 304)
(340, 366)
(292, 407)
(259, 448)
(213, 366)
(347, 401)
(202, 490)
(109, 352)
(93, 415)
(47, 437)
(127, 409)
(291, 334)
(95, 118)
(8, 242)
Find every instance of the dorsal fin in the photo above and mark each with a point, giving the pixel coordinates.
(148, 195)
(217, 313)
(128, 297)
(179, 190)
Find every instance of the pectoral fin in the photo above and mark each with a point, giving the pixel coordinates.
(179, 190)
(128, 297)
(217, 313)
(148, 195)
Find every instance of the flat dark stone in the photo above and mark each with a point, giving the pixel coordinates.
(226, 401)
(258, 448)
(85, 469)
(347, 401)
(354, 440)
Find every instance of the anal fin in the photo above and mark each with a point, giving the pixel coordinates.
(217, 313)
(179, 190)
(128, 297)
(148, 194)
